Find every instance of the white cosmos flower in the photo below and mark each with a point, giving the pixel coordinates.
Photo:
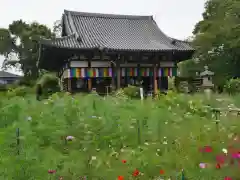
(224, 150)
(29, 118)
(94, 157)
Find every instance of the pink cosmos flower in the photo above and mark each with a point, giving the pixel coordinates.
(236, 155)
(70, 138)
(203, 165)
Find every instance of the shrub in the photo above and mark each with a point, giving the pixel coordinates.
(171, 85)
(3, 87)
(232, 86)
(26, 82)
(49, 83)
(132, 91)
(19, 91)
(120, 94)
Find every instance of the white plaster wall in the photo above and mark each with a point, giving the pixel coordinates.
(100, 64)
(128, 65)
(146, 65)
(79, 64)
(167, 64)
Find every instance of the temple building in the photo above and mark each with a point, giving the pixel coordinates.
(101, 51)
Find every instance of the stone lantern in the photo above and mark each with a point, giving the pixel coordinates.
(206, 76)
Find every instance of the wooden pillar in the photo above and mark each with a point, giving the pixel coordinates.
(89, 84)
(89, 78)
(138, 75)
(118, 72)
(69, 85)
(113, 76)
(155, 83)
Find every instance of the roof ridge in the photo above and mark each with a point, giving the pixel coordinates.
(166, 36)
(180, 40)
(103, 15)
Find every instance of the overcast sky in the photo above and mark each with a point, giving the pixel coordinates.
(176, 18)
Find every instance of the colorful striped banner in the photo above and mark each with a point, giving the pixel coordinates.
(89, 72)
(125, 72)
(167, 72)
(146, 72)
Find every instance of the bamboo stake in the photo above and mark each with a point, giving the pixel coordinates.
(138, 132)
(18, 140)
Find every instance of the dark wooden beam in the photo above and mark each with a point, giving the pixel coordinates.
(118, 70)
(155, 84)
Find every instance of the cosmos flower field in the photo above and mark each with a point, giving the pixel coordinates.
(114, 138)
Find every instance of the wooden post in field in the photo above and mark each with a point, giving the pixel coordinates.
(182, 174)
(18, 141)
(141, 93)
(107, 90)
(138, 132)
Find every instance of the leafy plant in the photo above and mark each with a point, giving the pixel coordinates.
(132, 91)
(19, 91)
(232, 86)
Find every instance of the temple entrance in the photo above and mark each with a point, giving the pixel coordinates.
(102, 85)
(163, 83)
(147, 84)
(79, 85)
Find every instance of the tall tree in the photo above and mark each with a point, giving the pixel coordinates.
(57, 28)
(21, 39)
(217, 38)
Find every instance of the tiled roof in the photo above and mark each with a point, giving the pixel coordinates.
(4, 74)
(64, 42)
(114, 32)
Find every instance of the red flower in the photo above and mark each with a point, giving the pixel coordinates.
(162, 171)
(120, 178)
(124, 161)
(218, 166)
(51, 171)
(136, 172)
(207, 149)
(227, 178)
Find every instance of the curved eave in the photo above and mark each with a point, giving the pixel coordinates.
(60, 42)
(71, 42)
(182, 45)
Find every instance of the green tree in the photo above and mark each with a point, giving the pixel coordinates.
(217, 39)
(21, 39)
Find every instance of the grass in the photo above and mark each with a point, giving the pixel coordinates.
(114, 137)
